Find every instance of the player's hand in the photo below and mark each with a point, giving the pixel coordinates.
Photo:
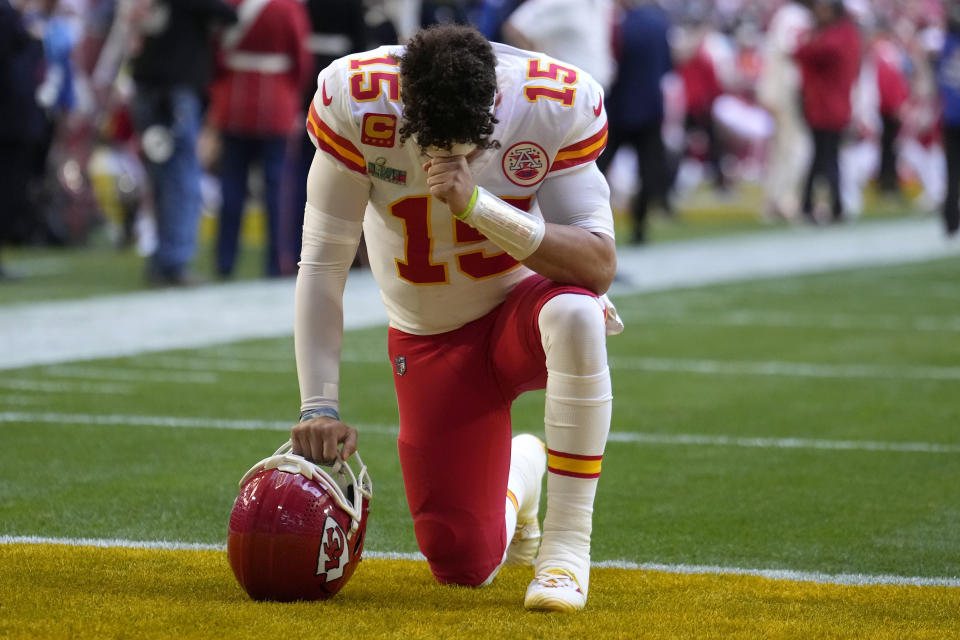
(450, 181)
(319, 439)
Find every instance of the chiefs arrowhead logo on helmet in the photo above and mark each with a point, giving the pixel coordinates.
(296, 531)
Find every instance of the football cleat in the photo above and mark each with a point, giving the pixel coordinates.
(555, 590)
(296, 530)
(528, 463)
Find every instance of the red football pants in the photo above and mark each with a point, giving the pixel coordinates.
(454, 392)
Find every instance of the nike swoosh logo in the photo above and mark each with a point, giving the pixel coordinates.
(597, 109)
(323, 94)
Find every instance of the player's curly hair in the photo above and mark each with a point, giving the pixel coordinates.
(447, 84)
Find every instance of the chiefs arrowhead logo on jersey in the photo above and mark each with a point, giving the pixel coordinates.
(334, 554)
(525, 164)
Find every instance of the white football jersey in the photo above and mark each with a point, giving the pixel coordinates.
(435, 272)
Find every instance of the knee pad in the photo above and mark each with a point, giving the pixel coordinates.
(573, 334)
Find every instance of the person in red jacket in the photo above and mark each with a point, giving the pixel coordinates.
(255, 104)
(829, 64)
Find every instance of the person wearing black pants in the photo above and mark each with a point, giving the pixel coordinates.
(948, 79)
(22, 126)
(825, 164)
(652, 175)
(635, 104)
(887, 178)
(829, 64)
(951, 208)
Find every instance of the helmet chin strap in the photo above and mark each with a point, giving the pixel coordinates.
(289, 462)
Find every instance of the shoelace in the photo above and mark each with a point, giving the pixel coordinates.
(557, 581)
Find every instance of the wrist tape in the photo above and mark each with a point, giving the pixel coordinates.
(515, 231)
(329, 412)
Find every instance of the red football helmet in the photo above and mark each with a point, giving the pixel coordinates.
(296, 531)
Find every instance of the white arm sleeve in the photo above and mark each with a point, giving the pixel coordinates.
(579, 198)
(332, 224)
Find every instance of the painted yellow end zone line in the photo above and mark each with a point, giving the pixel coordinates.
(60, 591)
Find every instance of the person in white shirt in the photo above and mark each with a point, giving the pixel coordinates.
(778, 90)
(575, 31)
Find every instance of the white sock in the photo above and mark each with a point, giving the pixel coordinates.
(576, 421)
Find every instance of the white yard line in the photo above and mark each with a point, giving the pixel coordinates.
(167, 421)
(682, 439)
(239, 353)
(779, 368)
(845, 579)
(124, 374)
(750, 318)
(245, 365)
(181, 370)
(125, 325)
(689, 439)
(21, 400)
(46, 386)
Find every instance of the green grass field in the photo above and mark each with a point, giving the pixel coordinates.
(806, 424)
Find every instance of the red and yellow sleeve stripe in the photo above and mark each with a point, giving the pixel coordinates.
(573, 465)
(337, 146)
(581, 152)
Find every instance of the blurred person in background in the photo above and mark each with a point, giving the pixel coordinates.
(337, 28)
(778, 90)
(575, 31)
(67, 206)
(635, 104)
(921, 148)
(860, 142)
(948, 78)
(443, 12)
(893, 90)
(256, 107)
(172, 71)
(46, 81)
(101, 31)
(490, 16)
(21, 122)
(382, 24)
(115, 165)
(698, 70)
(829, 63)
(744, 126)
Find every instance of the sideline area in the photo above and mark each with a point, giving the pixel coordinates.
(129, 324)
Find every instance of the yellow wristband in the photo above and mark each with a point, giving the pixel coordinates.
(473, 201)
